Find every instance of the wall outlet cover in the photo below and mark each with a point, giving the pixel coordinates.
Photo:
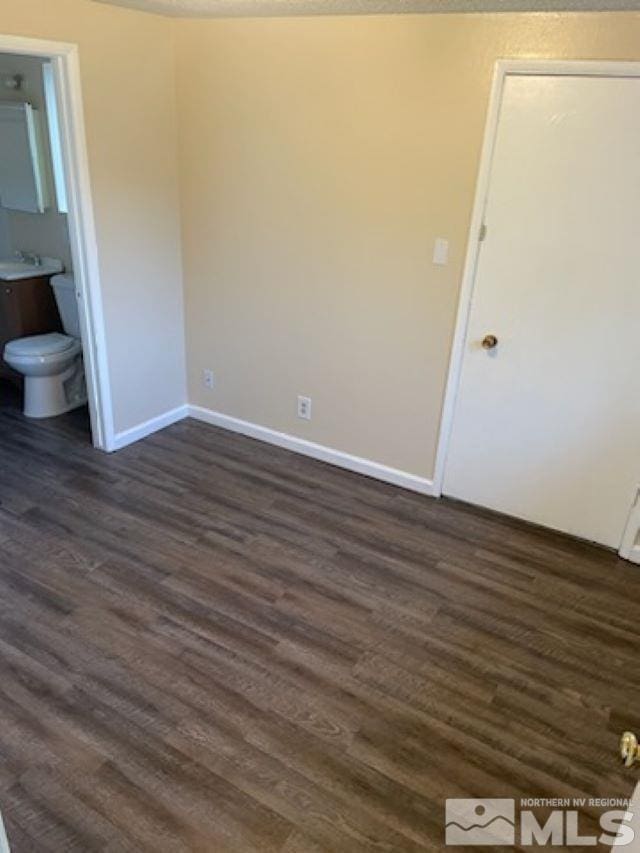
(304, 408)
(208, 379)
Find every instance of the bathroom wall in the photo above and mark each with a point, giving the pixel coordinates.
(128, 86)
(5, 246)
(321, 157)
(41, 233)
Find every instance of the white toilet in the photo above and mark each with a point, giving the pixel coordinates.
(52, 364)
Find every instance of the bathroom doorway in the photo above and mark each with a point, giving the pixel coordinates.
(53, 366)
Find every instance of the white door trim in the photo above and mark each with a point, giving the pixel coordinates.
(630, 547)
(503, 68)
(84, 250)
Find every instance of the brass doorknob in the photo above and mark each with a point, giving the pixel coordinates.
(629, 751)
(489, 342)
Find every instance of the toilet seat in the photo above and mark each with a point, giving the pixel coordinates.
(56, 353)
(40, 346)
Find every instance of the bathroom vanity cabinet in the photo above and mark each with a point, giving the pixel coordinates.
(27, 307)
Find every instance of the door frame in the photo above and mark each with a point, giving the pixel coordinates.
(80, 219)
(502, 69)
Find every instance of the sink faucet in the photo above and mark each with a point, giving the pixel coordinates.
(29, 258)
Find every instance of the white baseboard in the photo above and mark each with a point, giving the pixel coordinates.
(315, 451)
(281, 439)
(128, 436)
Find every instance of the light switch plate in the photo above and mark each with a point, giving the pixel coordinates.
(441, 252)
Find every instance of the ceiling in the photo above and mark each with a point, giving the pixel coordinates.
(238, 8)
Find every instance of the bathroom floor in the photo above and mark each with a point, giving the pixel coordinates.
(73, 424)
(210, 644)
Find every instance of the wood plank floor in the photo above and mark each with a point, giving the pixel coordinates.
(209, 644)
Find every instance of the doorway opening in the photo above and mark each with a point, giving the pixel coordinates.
(53, 360)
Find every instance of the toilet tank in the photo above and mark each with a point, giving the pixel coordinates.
(64, 290)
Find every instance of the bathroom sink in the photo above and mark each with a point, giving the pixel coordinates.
(13, 269)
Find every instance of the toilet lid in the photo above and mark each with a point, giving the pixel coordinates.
(38, 345)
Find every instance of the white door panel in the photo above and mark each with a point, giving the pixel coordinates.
(547, 424)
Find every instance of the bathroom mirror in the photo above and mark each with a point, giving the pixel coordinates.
(22, 174)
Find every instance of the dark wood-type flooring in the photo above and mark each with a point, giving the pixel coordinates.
(208, 644)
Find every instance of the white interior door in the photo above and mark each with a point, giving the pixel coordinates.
(547, 423)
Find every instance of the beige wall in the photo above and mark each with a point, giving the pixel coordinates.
(320, 158)
(127, 66)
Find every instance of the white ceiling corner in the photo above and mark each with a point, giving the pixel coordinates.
(249, 8)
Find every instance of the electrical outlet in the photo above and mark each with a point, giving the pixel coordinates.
(304, 408)
(208, 379)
